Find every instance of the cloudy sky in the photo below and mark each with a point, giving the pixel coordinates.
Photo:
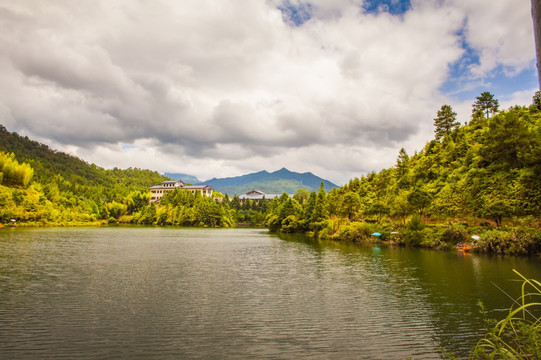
(218, 88)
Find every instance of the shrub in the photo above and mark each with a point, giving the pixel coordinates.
(514, 242)
(355, 232)
(429, 237)
(525, 242)
(453, 235)
(290, 224)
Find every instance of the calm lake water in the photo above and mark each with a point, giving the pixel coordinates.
(174, 293)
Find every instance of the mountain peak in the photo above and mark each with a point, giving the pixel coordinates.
(282, 171)
(277, 182)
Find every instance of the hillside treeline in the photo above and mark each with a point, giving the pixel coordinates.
(483, 177)
(40, 186)
(480, 178)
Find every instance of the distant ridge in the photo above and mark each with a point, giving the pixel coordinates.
(188, 179)
(276, 182)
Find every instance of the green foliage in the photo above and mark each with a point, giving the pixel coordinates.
(419, 200)
(183, 208)
(116, 210)
(536, 100)
(445, 122)
(484, 172)
(379, 210)
(518, 335)
(66, 189)
(136, 201)
(350, 204)
(454, 235)
(486, 103)
(354, 231)
(12, 173)
(516, 241)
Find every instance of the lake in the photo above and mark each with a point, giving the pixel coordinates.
(177, 293)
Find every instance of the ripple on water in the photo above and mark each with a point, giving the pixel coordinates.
(124, 293)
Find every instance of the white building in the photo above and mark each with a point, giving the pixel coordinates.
(259, 195)
(160, 190)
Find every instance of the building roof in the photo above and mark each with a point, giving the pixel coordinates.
(194, 187)
(173, 182)
(259, 195)
(186, 187)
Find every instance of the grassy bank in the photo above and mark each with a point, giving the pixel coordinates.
(491, 240)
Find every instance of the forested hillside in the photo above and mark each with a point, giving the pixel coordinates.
(481, 178)
(474, 178)
(55, 188)
(40, 186)
(48, 164)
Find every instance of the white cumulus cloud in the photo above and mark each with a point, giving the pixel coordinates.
(221, 88)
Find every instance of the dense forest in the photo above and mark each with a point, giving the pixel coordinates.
(480, 178)
(43, 187)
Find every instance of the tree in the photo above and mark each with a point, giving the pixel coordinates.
(445, 122)
(136, 201)
(402, 169)
(508, 141)
(302, 196)
(378, 209)
(235, 202)
(401, 206)
(116, 210)
(419, 200)
(496, 209)
(351, 203)
(536, 100)
(320, 213)
(308, 210)
(486, 104)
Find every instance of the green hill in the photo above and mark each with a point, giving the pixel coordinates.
(49, 164)
(64, 188)
(482, 178)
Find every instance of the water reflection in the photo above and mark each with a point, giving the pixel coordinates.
(447, 285)
(235, 293)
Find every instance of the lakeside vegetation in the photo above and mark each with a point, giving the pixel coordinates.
(480, 178)
(517, 335)
(43, 187)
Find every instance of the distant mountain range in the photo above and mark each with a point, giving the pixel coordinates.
(48, 163)
(276, 182)
(188, 179)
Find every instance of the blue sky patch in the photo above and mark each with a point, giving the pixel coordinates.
(498, 82)
(129, 146)
(296, 15)
(301, 13)
(394, 7)
(463, 86)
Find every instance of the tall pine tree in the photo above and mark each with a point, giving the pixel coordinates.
(445, 122)
(486, 104)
